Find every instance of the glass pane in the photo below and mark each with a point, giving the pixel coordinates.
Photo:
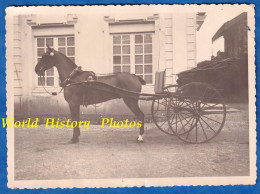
(148, 69)
(116, 39)
(148, 48)
(70, 51)
(138, 39)
(61, 42)
(116, 60)
(126, 49)
(148, 79)
(117, 69)
(139, 69)
(126, 59)
(38, 60)
(138, 59)
(139, 49)
(126, 39)
(50, 81)
(126, 68)
(41, 81)
(148, 59)
(72, 59)
(70, 41)
(116, 49)
(40, 51)
(147, 38)
(49, 42)
(62, 50)
(50, 72)
(40, 42)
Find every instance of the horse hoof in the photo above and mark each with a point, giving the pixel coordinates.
(140, 139)
(74, 140)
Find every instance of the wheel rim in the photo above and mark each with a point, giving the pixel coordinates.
(207, 115)
(159, 115)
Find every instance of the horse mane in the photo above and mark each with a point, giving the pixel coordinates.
(67, 59)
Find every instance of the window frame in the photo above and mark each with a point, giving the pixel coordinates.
(132, 53)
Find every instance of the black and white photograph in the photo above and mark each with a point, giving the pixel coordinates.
(124, 96)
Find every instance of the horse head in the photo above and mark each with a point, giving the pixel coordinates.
(47, 61)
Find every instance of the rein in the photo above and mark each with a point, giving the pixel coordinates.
(51, 93)
(63, 84)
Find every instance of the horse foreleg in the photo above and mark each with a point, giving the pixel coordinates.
(75, 114)
(134, 107)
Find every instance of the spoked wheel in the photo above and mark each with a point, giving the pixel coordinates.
(180, 115)
(159, 112)
(196, 113)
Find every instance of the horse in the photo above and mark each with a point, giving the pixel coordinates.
(77, 94)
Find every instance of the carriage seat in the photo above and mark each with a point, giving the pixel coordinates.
(159, 82)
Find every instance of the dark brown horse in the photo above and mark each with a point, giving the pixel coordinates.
(78, 94)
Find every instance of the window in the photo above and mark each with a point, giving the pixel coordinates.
(133, 53)
(63, 44)
(144, 57)
(66, 45)
(121, 53)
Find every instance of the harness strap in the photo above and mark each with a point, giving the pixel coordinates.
(68, 79)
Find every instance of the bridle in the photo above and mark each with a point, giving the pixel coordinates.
(43, 83)
(67, 81)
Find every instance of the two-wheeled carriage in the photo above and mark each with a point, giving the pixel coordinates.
(195, 112)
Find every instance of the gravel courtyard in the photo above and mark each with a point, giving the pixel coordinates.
(114, 153)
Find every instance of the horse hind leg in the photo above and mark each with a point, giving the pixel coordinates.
(132, 104)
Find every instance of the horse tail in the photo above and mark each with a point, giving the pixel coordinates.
(141, 80)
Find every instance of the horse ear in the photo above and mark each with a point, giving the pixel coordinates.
(50, 50)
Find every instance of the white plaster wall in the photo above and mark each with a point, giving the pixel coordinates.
(90, 47)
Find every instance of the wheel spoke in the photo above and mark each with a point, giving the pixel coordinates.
(189, 130)
(196, 132)
(163, 123)
(178, 120)
(181, 123)
(210, 119)
(203, 130)
(176, 123)
(208, 125)
(188, 122)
